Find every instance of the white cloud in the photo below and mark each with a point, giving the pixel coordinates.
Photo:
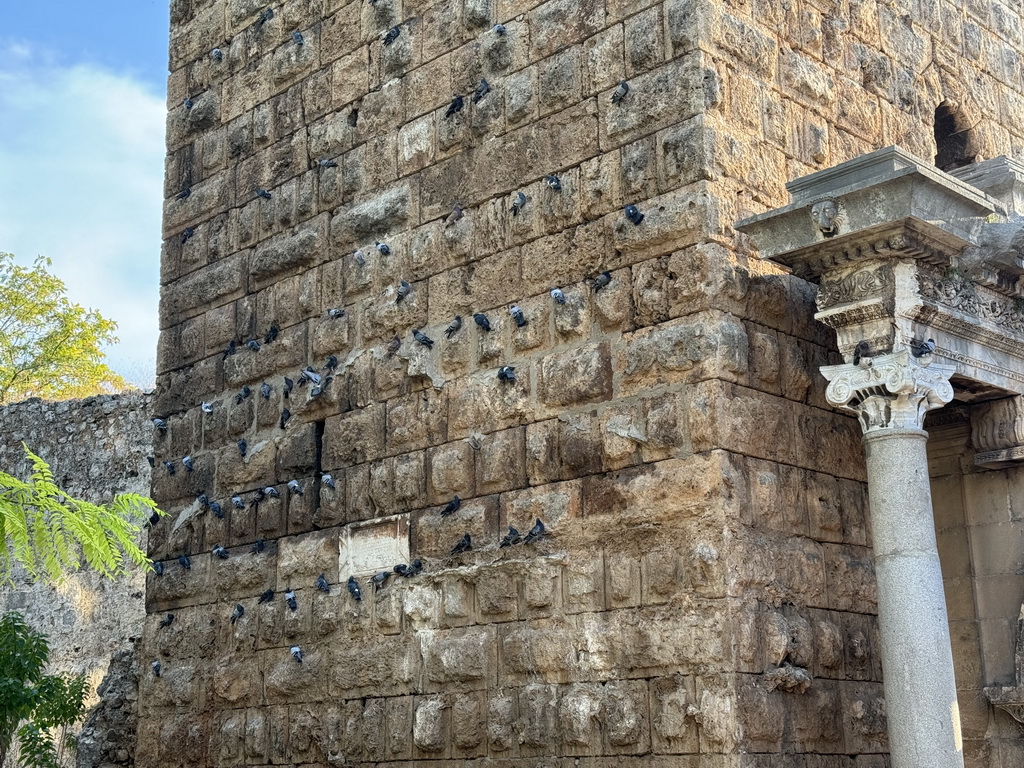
(81, 181)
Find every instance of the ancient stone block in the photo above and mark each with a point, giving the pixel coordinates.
(584, 375)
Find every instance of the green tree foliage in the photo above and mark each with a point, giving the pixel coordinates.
(50, 533)
(49, 347)
(34, 707)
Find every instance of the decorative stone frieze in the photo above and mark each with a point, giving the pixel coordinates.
(892, 391)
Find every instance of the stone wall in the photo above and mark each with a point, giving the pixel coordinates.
(705, 589)
(96, 448)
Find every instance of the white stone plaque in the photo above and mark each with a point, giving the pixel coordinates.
(373, 546)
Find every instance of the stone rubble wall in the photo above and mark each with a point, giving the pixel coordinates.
(708, 540)
(96, 448)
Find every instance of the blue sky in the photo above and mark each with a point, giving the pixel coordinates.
(82, 113)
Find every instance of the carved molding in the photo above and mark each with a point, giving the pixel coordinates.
(997, 431)
(894, 391)
(862, 284)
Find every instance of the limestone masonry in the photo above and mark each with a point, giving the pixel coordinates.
(703, 593)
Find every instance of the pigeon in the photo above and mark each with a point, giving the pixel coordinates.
(156, 668)
(422, 338)
(331, 363)
(322, 584)
(169, 466)
(601, 280)
(416, 566)
(296, 653)
(326, 162)
(404, 289)
(217, 54)
(465, 544)
(297, 37)
(481, 90)
(271, 492)
(860, 354)
(265, 16)
(359, 257)
(518, 203)
(319, 389)
(206, 407)
(266, 597)
(289, 598)
(253, 345)
(258, 547)
(512, 537)
(265, 390)
(379, 580)
(186, 234)
(336, 314)
(158, 568)
(453, 327)
(243, 394)
(481, 319)
(308, 376)
(294, 487)
(382, 248)
(167, 621)
(634, 215)
(184, 194)
(499, 30)
(288, 384)
(924, 349)
(238, 613)
(220, 552)
(507, 373)
(237, 501)
(392, 35)
(229, 350)
(242, 446)
(188, 103)
(217, 510)
(517, 314)
(403, 570)
(558, 296)
(185, 562)
(456, 214)
(534, 533)
(455, 106)
(452, 506)
(187, 463)
(260, 192)
(393, 346)
(285, 415)
(160, 424)
(203, 499)
(257, 497)
(554, 182)
(151, 460)
(327, 480)
(353, 589)
(620, 92)
(271, 334)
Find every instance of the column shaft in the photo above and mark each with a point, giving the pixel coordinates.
(917, 664)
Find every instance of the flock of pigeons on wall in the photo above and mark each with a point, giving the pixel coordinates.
(318, 381)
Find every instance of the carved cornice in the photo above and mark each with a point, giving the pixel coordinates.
(893, 391)
(997, 431)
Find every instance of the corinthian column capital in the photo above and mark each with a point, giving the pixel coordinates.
(892, 391)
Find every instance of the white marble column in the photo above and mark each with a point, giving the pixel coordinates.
(890, 396)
